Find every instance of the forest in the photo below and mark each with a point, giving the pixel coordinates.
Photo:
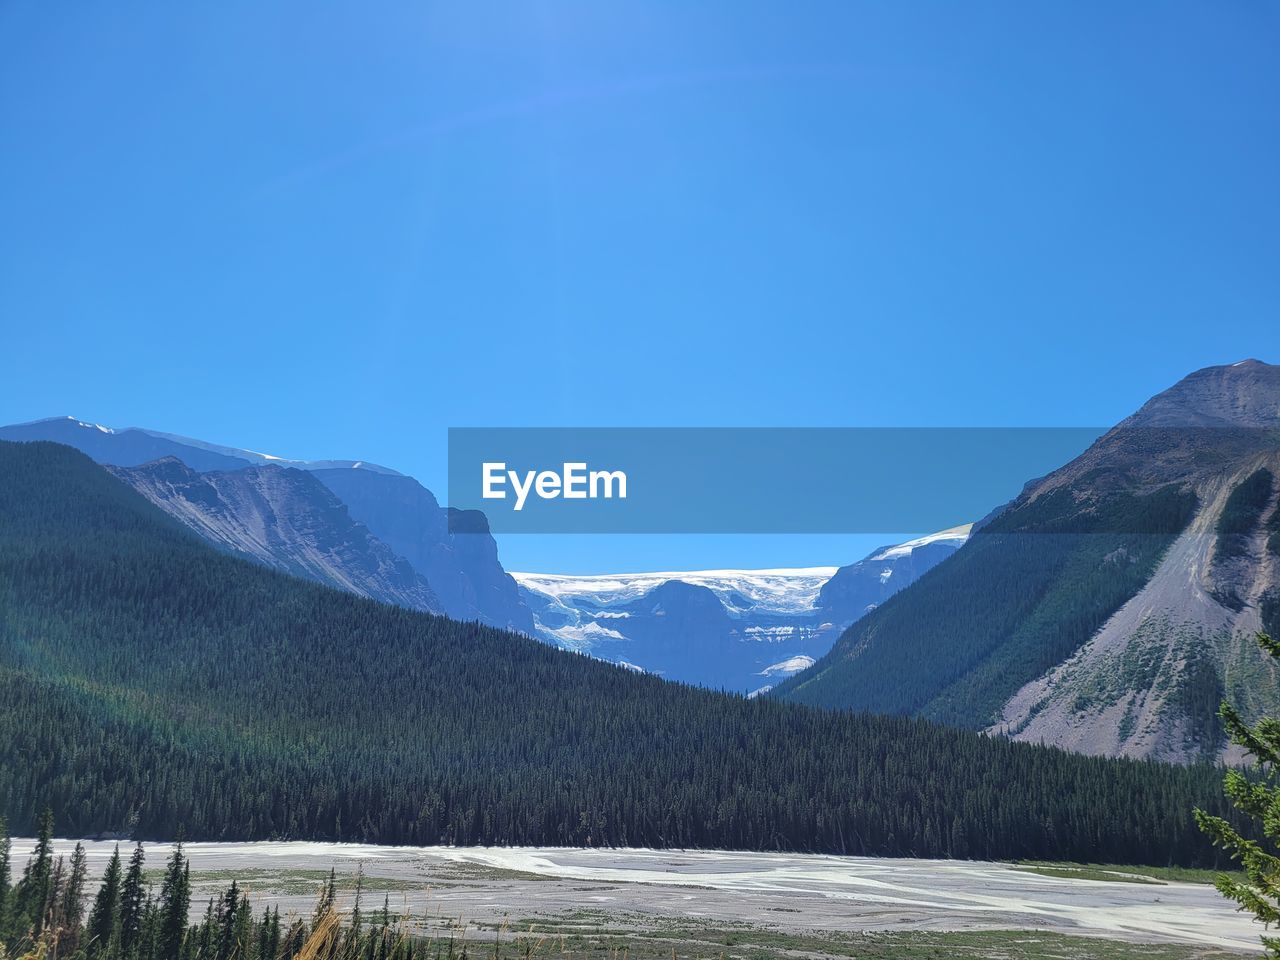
(1025, 593)
(155, 688)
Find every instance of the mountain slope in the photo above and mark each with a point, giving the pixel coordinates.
(462, 569)
(152, 683)
(1149, 682)
(855, 590)
(738, 630)
(1097, 610)
(286, 519)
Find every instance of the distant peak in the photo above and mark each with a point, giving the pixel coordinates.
(74, 421)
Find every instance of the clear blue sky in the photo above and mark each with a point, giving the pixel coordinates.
(338, 229)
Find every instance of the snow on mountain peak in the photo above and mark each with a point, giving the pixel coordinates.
(785, 668)
(956, 535)
(782, 590)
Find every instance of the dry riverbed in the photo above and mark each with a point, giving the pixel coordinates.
(708, 904)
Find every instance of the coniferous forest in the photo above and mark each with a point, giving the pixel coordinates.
(1028, 590)
(156, 688)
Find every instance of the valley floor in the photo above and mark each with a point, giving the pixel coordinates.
(705, 903)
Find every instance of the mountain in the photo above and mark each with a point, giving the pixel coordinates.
(859, 588)
(155, 685)
(284, 518)
(738, 630)
(461, 571)
(1113, 604)
(131, 446)
(462, 568)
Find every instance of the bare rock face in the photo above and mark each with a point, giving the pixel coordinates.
(1148, 683)
(286, 519)
(462, 568)
(1244, 394)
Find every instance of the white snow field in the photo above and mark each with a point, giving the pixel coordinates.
(784, 892)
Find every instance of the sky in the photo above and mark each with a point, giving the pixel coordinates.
(338, 229)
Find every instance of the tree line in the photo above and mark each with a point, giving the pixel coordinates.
(48, 913)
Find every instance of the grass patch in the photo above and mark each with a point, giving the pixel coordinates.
(1124, 874)
(1089, 873)
(294, 881)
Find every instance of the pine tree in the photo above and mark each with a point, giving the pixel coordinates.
(296, 938)
(274, 943)
(53, 901)
(207, 934)
(356, 918)
(1259, 798)
(103, 927)
(132, 906)
(71, 909)
(175, 901)
(5, 846)
(243, 933)
(269, 934)
(225, 917)
(32, 894)
(149, 936)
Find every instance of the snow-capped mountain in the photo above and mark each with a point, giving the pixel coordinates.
(741, 630)
(132, 446)
(861, 587)
(782, 591)
(367, 528)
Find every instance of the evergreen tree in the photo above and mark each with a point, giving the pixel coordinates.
(225, 917)
(206, 938)
(243, 938)
(5, 846)
(53, 902)
(71, 909)
(175, 902)
(32, 894)
(269, 935)
(132, 906)
(102, 930)
(296, 938)
(356, 918)
(1259, 798)
(149, 938)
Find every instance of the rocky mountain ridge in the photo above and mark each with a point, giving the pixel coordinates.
(1114, 603)
(286, 519)
(389, 540)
